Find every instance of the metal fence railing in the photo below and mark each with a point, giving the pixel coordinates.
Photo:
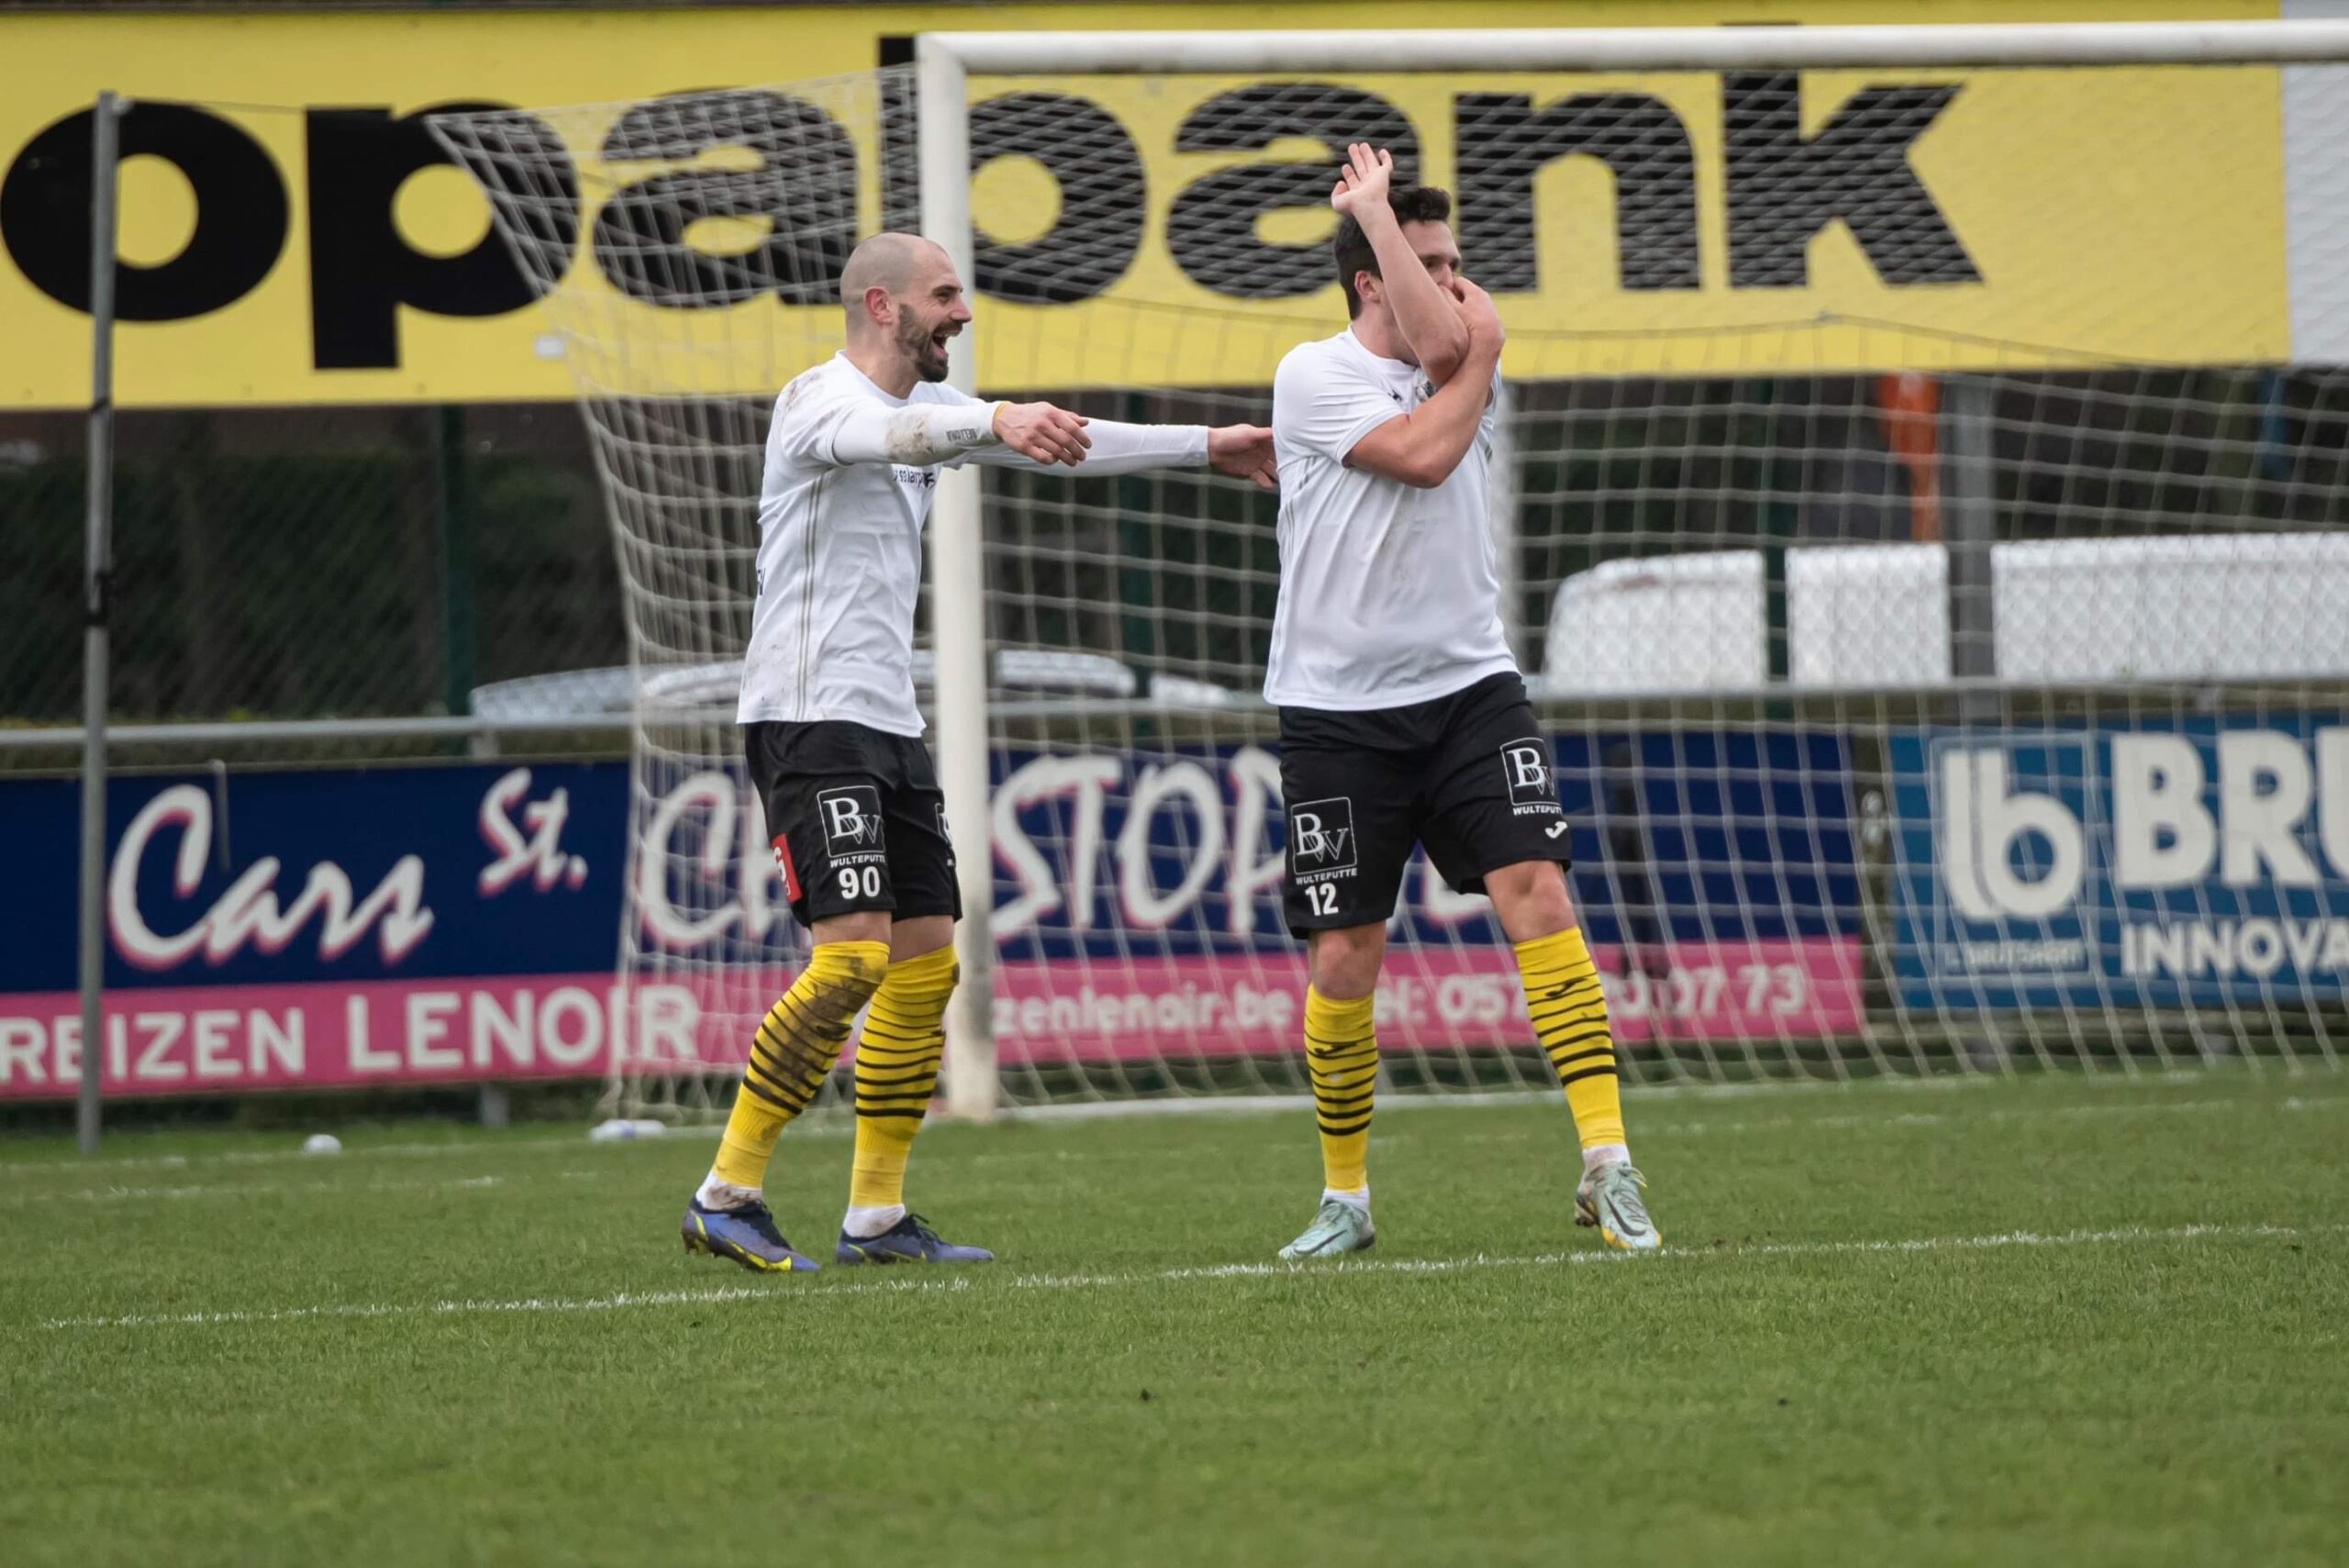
(298, 563)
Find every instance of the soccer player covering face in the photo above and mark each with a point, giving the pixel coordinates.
(833, 737)
(1403, 717)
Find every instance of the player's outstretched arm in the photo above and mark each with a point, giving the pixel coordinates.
(1042, 434)
(931, 433)
(1424, 312)
(1113, 446)
(1421, 449)
(1244, 451)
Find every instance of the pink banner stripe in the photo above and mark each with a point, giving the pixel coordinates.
(1428, 999)
(221, 1040)
(231, 1039)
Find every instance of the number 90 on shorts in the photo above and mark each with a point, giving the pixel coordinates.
(857, 820)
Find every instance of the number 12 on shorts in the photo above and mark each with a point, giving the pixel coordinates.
(1322, 898)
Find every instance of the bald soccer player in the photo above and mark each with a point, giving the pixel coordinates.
(834, 741)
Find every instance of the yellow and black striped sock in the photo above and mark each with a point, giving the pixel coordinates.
(1569, 1013)
(897, 1071)
(1341, 1055)
(793, 1053)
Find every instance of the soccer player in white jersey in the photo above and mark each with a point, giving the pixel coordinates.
(1403, 717)
(833, 737)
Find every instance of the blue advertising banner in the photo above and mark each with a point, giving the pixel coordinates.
(1689, 835)
(329, 930)
(2201, 863)
(344, 874)
(436, 923)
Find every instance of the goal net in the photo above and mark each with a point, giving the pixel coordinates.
(1920, 522)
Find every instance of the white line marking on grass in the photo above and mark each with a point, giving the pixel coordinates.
(892, 1280)
(833, 1124)
(275, 1189)
(278, 1189)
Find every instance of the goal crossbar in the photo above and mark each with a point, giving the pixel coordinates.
(1645, 49)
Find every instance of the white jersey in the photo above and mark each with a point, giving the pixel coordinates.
(1389, 595)
(840, 548)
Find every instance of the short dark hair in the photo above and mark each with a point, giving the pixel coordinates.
(1412, 203)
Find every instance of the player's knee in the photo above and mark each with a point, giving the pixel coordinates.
(870, 926)
(854, 968)
(1344, 963)
(926, 941)
(932, 973)
(1531, 898)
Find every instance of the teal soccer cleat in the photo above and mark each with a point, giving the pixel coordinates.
(1338, 1228)
(1609, 1198)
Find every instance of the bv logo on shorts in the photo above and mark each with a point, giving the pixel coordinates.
(1525, 766)
(851, 817)
(1321, 837)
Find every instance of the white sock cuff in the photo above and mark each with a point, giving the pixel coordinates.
(864, 1223)
(716, 1194)
(1359, 1198)
(1600, 1154)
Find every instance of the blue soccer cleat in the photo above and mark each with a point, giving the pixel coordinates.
(910, 1241)
(746, 1234)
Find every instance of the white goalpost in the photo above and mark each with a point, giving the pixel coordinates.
(1924, 530)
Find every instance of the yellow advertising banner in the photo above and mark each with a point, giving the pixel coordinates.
(291, 234)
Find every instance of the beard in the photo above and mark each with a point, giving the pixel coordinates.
(929, 359)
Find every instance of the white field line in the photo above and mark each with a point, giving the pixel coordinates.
(911, 1279)
(815, 1125)
(1906, 1119)
(288, 1189)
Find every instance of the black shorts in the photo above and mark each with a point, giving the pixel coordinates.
(856, 818)
(1467, 775)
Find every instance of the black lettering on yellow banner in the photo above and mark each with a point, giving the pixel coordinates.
(1784, 186)
(807, 202)
(1501, 142)
(1212, 231)
(1173, 231)
(240, 213)
(363, 270)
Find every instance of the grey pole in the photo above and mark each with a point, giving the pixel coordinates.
(97, 592)
(1969, 525)
(1969, 531)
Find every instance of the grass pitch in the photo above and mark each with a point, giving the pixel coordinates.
(2040, 1322)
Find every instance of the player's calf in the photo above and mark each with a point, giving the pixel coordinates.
(791, 1054)
(1568, 1009)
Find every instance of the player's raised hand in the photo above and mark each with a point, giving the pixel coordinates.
(1362, 182)
(1041, 433)
(1243, 452)
(1477, 312)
